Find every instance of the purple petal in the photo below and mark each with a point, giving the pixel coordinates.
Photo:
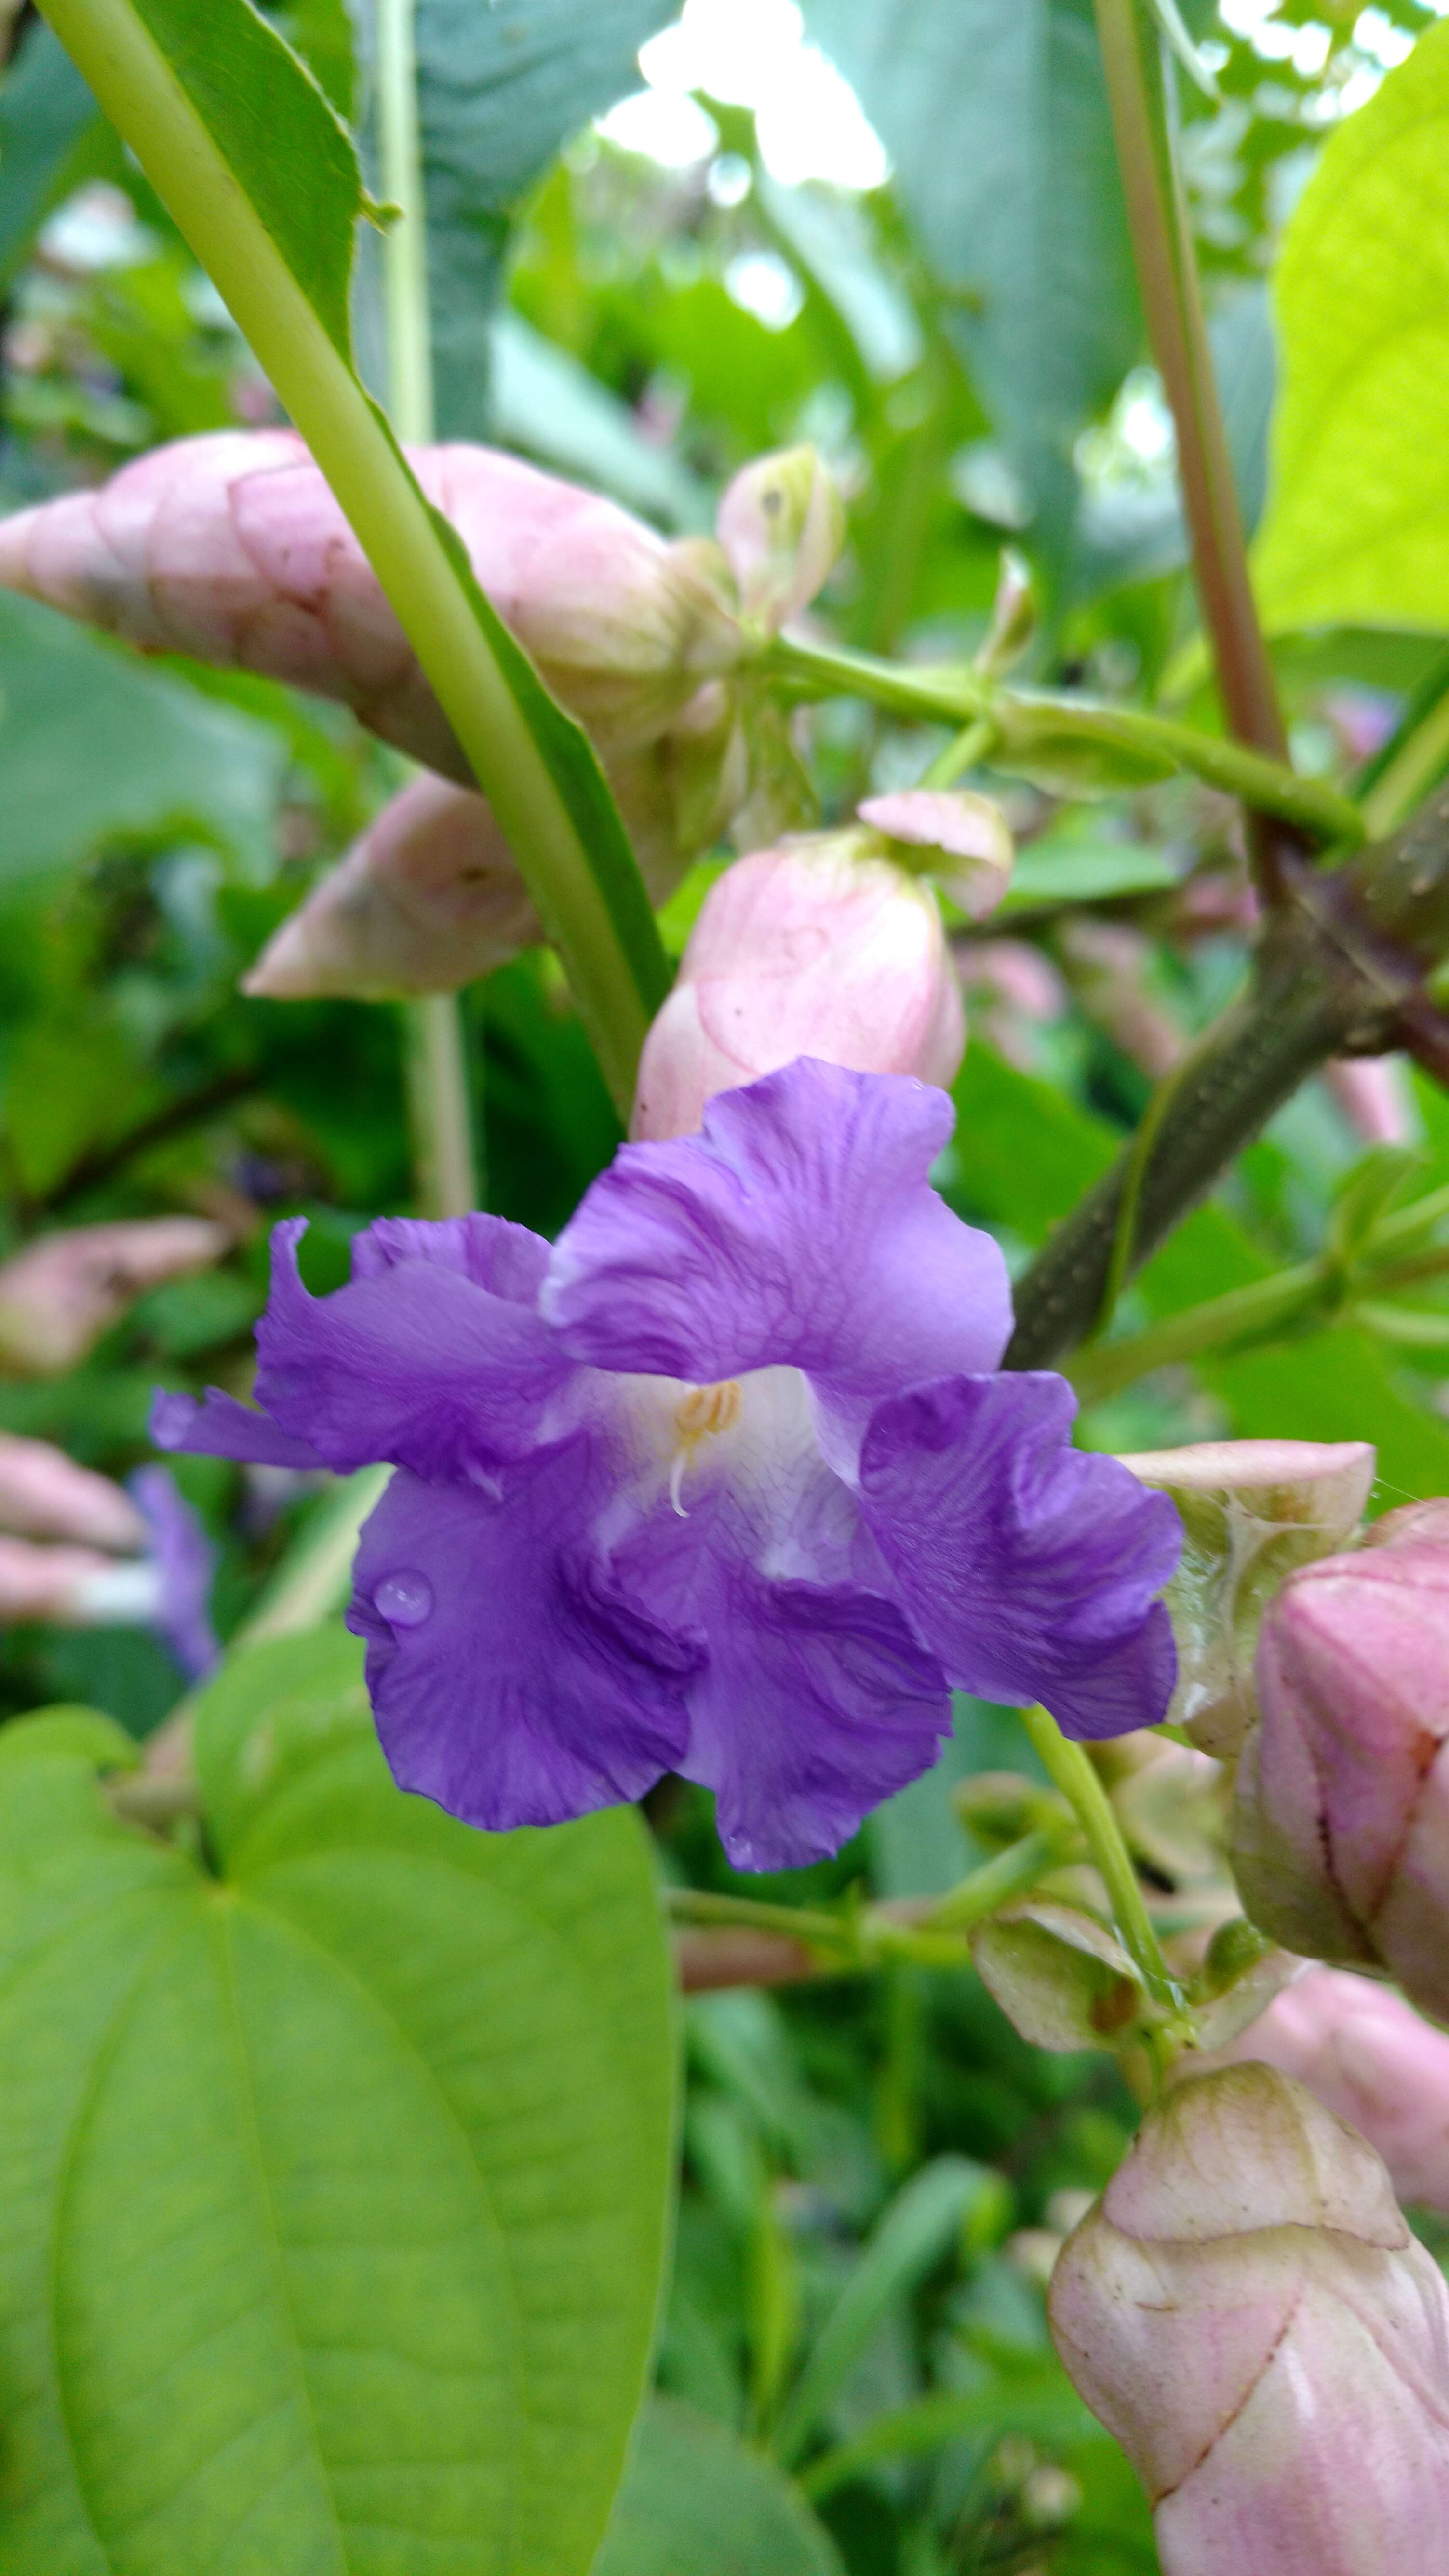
(506, 1259)
(1029, 1567)
(799, 1228)
(216, 1426)
(512, 1679)
(413, 1362)
(184, 1563)
(817, 1703)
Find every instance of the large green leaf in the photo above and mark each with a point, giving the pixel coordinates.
(1358, 527)
(695, 2500)
(95, 747)
(500, 87)
(260, 175)
(335, 2182)
(996, 119)
(52, 135)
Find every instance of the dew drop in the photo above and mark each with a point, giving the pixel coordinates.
(404, 1600)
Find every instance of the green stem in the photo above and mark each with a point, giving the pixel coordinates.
(1014, 1872)
(1417, 761)
(1073, 1774)
(439, 1111)
(147, 104)
(1260, 1312)
(971, 745)
(833, 1932)
(1028, 721)
(1162, 244)
(437, 1055)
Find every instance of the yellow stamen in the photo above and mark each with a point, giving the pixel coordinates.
(700, 1413)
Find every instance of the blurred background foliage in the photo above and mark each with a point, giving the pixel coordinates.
(892, 227)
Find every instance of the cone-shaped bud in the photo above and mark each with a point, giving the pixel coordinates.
(804, 950)
(1013, 616)
(962, 840)
(781, 524)
(1060, 1978)
(62, 1292)
(1367, 2056)
(1341, 1814)
(44, 1494)
(231, 547)
(1246, 2311)
(1252, 1511)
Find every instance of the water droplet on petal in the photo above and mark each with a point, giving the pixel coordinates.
(404, 1600)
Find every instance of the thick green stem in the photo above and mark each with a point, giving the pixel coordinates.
(1073, 1774)
(437, 1053)
(1027, 722)
(1157, 216)
(150, 109)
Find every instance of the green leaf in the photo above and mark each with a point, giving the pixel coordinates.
(542, 400)
(997, 121)
(335, 2183)
(695, 2498)
(86, 1734)
(244, 149)
(922, 2223)
(500, 87)
(1073, 867)
(148, 753)
(52, 135)
(1038, 2403)
(1358, 527)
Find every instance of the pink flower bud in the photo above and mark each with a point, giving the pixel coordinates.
(1252, 1511)
(781, 524)
(44, 1494)
(62, 1292)
(1246, 2311)
(66, 1587)
(1368, 2057)
(803, 950)
(963, 840)
(430, 897)
(231, 547)
(1371, 1095)
(1341, 1817)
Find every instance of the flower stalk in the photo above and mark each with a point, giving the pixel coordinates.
(1070, 1768)
(1132, 41)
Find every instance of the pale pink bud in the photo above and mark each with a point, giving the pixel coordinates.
(1369, 2058)
(963, 840)
(430, 897)
(803, 950)
(781, 524)
(1341, 1816)
(232, 548)
(1371, 1094)
(44, 1494)
(1246, 2311)
(1252, 1511)
(62, 1292)
(70, 1587)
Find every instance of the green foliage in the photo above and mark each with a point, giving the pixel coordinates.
(1357, 528)
(51, 134)
(278, 2155)
(499, 89)
(997, 122)
(158, 757)
(694, 2497)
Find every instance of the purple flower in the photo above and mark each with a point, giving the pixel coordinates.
(723, 1483)
(181, 1564)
